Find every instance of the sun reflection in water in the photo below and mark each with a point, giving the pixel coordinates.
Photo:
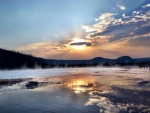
(79, 86)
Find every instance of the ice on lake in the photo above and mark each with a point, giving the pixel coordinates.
(75, 90)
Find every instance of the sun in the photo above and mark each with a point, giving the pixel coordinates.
(76, 46)
(80, 47)
(75, 39)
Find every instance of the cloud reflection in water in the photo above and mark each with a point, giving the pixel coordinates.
(93, 93)
(112, 98)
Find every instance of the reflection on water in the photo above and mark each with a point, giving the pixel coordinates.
(79, 86)
(121, 100)
(79, 93)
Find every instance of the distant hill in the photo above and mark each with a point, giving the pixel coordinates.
(124, 59)
(15, 60)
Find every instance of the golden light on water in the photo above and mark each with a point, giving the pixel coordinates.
(79, 86)
(80, 82)
(77, 83)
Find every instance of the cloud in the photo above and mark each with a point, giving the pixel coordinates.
(136, 12)
(108, 25)
(42, 49)
(68, 49)
(109, 103)
(114, 33)
(148, 5)
(111, 33)
(103, 22)
(81, 43)
(124, 16)
(122, 7)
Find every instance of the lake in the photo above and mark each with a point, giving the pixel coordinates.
(75, 90)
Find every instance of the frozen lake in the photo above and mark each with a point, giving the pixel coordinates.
(75, 90)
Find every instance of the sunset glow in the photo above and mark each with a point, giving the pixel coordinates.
(75, 56)
(82, 47)
(78, 44)
(78, 30)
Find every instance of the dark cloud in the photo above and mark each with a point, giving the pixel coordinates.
(109, 30)
(124, 31)
(81, 43)
(115, 29)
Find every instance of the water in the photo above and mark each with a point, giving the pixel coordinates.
(76, 90)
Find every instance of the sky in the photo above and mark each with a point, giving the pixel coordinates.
(76, 29)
